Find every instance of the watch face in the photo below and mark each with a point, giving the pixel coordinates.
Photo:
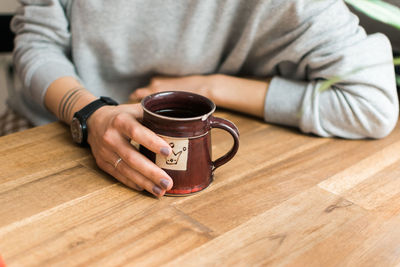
(76, 131)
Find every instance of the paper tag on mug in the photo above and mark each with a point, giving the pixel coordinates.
(178, 158)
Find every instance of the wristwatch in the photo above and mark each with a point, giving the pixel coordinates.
(79, 128)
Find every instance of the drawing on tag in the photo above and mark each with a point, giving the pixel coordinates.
(174, 158)
(177, 160)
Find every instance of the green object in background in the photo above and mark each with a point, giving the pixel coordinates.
(381, 11)
(378, 10)
(397, 63)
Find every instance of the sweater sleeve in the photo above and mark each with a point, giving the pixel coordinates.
(42, 46)
(328, 43)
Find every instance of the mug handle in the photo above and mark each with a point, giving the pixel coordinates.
(233, 130)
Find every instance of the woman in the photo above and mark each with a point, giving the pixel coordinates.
(68, 53)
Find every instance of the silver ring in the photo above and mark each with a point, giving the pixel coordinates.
(117, 162)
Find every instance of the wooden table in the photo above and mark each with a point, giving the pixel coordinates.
(285, 199)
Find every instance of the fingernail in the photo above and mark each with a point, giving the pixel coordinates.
(165, 151)
(139, 188)
(156, 190)
(164, 183)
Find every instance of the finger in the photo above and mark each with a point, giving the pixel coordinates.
(140, 180)
(105, 157)
(134, 109)
(132, 129)
(131, 178)
(137, 110)
(137, 178)
(146, 167)
(109, 168)
(138, 162)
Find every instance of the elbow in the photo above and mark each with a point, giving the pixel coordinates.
(382, 124)
(383, 128)
(373, 115)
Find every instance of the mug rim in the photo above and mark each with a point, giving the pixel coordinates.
(202, 117)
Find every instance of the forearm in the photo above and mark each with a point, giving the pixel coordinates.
(65, 96)
(41, 47)
(240, 94)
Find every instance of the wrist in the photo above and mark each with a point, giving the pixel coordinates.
(84, 99)
(79, 124)
(99, 116)
(216, 88)
(65, 96)
(239, 94)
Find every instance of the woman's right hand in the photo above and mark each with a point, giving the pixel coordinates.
(110, 130)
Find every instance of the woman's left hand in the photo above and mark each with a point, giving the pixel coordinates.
(199, 84)
(239, 94)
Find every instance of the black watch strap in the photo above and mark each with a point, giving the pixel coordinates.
(83, 115)
(88, 110)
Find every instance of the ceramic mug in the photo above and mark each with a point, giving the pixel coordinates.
(184, 120)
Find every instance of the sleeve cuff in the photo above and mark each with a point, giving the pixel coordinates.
(45, 75)
(283, 101)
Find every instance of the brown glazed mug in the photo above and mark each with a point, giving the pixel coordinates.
(184, 120)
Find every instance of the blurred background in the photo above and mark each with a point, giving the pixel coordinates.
(8, 7)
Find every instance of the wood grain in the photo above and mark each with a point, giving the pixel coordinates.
(280, 233)
(286, 199)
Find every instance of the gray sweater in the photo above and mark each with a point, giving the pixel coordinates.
(116, 46)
